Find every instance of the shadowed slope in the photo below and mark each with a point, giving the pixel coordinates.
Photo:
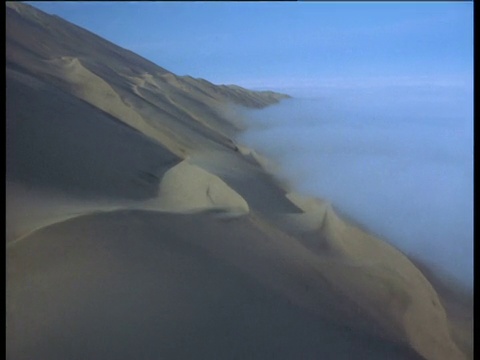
(71, 146)
(137, 284)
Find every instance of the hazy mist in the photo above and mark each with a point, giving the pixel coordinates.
(397, 159)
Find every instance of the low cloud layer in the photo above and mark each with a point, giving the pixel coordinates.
(398, 160)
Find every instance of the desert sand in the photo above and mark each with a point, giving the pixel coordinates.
(137, 227)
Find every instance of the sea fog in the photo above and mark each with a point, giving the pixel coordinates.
(396, 159)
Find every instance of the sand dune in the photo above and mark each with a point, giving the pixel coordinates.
(29, 210)
(186, 187)
(312, 216)
(93, 89)
(138, 228)
(135, 284)
(73, 147)
(395, 281)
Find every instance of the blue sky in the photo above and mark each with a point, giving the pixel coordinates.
(262, 44)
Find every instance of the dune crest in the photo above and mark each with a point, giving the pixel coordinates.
(385, 286)
(189, 188)
(93, 89)
(29, 210)
(313, 215)
(383, 275)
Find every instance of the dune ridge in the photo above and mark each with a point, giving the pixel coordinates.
(187, 187)
(136, 207)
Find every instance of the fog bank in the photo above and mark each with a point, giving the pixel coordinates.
(396, 159)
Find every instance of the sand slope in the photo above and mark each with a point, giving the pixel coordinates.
(135, 284)
(413, 306)
(71, 146)
(187, 187)
(182, 113)
(137, 228)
